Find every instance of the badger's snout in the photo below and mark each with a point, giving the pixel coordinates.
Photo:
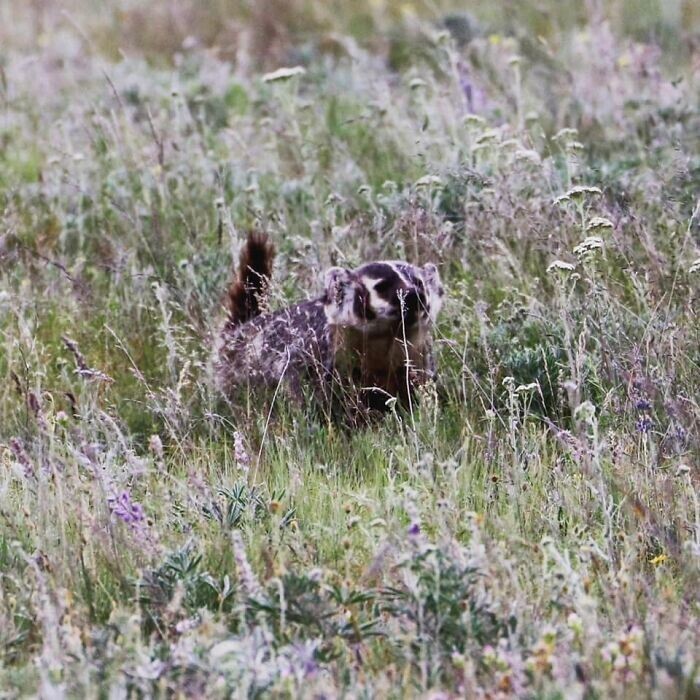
(412, 306)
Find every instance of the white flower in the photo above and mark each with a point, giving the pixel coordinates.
(522, 388)
(428, 180)
(474, 119)
(588, 246)
(155, 445)
(560, 265)
(283, 74)
(488, 135)
(599, 222)
(585, 412)
(240, 453)
(695, 267)
(565, 133)
(528, 154)
(223, 649)
(577, 192)
(583, 189)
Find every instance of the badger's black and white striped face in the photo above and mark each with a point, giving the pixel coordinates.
(381, 294)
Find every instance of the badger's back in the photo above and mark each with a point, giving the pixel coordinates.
(290, 344)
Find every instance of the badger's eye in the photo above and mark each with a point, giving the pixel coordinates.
(383, 287)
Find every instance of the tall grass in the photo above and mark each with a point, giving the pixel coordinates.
(531, 530)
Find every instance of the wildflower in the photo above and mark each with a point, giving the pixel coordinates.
(598, 222)
(580, 190)
(565, 134)
(585, 412)
(283, 74)
(474, 120)
(333, 198)
(523, 388)
(624, 655)
(560, 266)
(20, 453)
(642, 405)
(576, 193)
(247, 578)
(125, 509)
(695, 267)
(588, 245)
(528, 154)
(542, 658)
(488, 135)
(155, 445)
(680, 434)
(315, 575)
(187, 625)
(239, 453)
(658, 559)
(645, 424)
(575, 624)
(148, 669)
(428, 180)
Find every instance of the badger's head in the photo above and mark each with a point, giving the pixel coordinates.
(383, 295)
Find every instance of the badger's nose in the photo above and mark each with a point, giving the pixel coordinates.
(413, 303)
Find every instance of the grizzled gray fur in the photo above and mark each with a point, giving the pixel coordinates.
(365, 340)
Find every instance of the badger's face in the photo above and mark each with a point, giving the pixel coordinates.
(382, 295)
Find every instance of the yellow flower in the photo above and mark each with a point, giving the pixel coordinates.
(658, 559)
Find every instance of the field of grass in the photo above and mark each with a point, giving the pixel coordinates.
(531, 529)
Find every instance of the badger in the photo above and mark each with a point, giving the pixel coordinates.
(363, 343)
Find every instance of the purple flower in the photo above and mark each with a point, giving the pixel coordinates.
(125, 509)
(645, 424)
(414, 529)
(642, 405)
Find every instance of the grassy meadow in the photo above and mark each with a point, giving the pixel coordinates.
(530, 529)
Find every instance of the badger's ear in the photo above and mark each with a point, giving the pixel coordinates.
(434, 288)
(431, 274)
(337, 279)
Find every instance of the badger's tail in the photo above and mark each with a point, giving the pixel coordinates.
(248, 288)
